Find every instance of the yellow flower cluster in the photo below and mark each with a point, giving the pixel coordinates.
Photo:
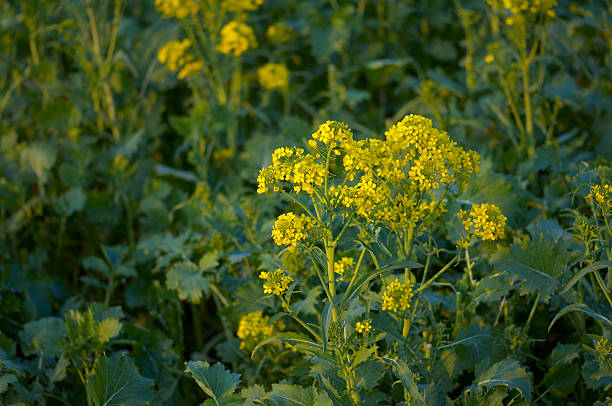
(236, 38)
(363, 327)
(333, 134)
(484, 221)
(343, 266)
(279, 32)
(290, 229)
(518, 10)
(273, 76)
(293, 166)
(600, 196)
(239, 6)
(277, 282)
(253, 328)
(385, 179)
(397, 296)
(177, 8)
(175, 55)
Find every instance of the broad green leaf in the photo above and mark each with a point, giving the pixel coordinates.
(368, 374)
(187, 280)
(73, 200)
(96, 264)
(253, 395)
(509, 373)
(5, 381)
(596, 374)
(579, 307)
(45, 337)
(291, 395)
(115, 381)
(214, 380)
(209, 260)
(538, 264)
(401, 371)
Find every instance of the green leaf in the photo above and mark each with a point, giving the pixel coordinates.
(163, 170)
(187, 280)
(214, 380)
(73, 200)
(367, 374)
(585, 271)
(538, 264)
(96, 264)
(5, 381)
(326, 317)
(401, 371)
(579, 307)
(209, 260)
(299, 340)
(596, 374)
(116, 382)
(44, 337)
(291, 395)
(509, 373)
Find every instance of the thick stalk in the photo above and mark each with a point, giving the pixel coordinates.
(528, 116)
(408, 241)
(531, 313)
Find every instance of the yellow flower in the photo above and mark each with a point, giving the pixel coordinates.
(277, 282)
(489, 58)
(175, 55)
(293, 166)
(120, 162)
(343, 265)
(279, 32)
(236, 38)
(290, 229)
(177, 8)
(238, 6)
(273, 76)
(253, 328)
(397, 296)
(364, 327)
(484, 221)
(333, 134)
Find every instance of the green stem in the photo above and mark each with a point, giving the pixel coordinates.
(330, 251)
(437, 275)
(416, 302)
(603, 288)
(527, 100)
(531, 313)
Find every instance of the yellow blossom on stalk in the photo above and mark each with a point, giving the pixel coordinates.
(489, 58)
(600, 195)
(343, 265)
(177, 8)
(397, 296)
(484, 221)
(238, 6)
(279, 32)
(290, 229)
(333, 134)
(175, 55)
(236, 38)
(273, 76)
(253, 328)
(277, 282)
(518, 10)
(363, 327)
(293, 166)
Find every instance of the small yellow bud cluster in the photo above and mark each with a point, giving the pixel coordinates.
(397, 296)
(177, 8)
(600, 196)
(253, 328)
(240, 6)
(290, 229)
(273, 76)
(175, 55)
(236, 38)
(364, 327)
(279, 32)
(484, 221)
(277, 282)
(333, 134)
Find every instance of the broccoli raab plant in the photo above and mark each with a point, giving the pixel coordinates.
(364, 209)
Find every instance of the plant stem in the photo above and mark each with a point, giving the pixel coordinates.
(330, 251)
(437, 275)
(531, 313)
(603, 288)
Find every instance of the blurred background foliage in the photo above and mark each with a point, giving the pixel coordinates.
(129, 217)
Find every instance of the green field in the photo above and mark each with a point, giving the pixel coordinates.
(305, 202)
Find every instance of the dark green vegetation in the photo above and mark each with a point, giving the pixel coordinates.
(133, 236)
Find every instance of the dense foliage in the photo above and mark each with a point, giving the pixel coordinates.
(317, 203)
